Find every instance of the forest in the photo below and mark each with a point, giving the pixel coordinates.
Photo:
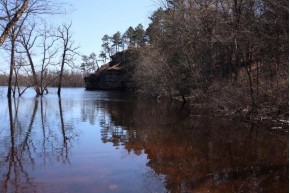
(227, 54)
(230, 55)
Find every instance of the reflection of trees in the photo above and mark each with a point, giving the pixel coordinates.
(16, 159)
(66, 138)
(197, 154)
(222, 156)
(119, 121)
(97, 111)
(32, 141)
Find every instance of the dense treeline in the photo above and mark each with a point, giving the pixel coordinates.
(233, 52)
(70, 79)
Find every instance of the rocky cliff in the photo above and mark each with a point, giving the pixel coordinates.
(116, 75)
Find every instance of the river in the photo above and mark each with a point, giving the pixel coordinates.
(97, 141)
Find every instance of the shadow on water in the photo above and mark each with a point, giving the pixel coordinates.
(183, 153)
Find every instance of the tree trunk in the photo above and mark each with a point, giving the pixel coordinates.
(61, 73)
(12, 64)
(13, 21)
(34, 75)
(248, 66)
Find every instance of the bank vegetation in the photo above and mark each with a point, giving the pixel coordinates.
(231, 55)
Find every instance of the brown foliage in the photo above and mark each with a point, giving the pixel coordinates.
(231, 51)
(70, 79)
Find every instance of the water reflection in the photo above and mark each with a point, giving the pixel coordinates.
(24, 149)
(18, 155)
(103, 142)
(198, 153)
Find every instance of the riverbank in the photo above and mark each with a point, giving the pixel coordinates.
(264, 100)
(234, 102)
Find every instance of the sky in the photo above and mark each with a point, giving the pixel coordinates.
(92, 19)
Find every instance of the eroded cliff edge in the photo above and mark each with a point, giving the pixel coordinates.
(115, 75)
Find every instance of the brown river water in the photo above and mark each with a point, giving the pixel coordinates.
(95, 142)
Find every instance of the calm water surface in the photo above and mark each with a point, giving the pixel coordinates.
(91, 142)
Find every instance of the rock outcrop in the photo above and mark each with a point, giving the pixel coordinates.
(116, 75)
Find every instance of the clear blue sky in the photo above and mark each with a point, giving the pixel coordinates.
(92, 19)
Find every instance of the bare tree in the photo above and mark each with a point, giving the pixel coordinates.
(49, 52)
(28, 41)
(16, 15)
(69, 50)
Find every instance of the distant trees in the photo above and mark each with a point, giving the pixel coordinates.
(89, 64)
(132, 37)
(156, 27)
(117, 40)
(106, 45)
(72, 78)
(138, 35)
(135, 35)
(103, 55)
